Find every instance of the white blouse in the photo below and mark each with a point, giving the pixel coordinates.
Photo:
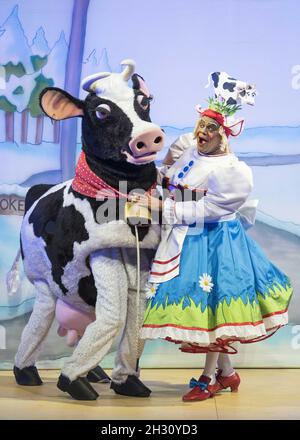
(228, 182)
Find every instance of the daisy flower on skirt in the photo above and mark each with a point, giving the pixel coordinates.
(151, 290)
(205, 282)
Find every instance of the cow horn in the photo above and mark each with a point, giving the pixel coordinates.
(88, 82)
(129, 68)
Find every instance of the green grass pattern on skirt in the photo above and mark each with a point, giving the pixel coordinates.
(276, 299)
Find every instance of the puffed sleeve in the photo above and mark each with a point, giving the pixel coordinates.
(178, 147)
(227, 190)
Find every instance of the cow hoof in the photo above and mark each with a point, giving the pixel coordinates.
(79, 389)
(132, 387)
(97, 375)
(27, 376)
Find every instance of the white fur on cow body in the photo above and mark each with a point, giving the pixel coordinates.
(117, 277)
(115, 234)
(105, 253)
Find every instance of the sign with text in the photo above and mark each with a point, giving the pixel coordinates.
(12, 205)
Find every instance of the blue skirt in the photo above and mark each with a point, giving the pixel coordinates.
(227, 290)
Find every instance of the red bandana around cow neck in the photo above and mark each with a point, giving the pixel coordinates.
(87, 183)
(218, 117)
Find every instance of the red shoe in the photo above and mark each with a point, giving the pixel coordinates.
(199, 391)
(231, 382)
(215, 388)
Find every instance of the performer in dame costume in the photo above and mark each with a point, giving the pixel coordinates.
(212, 285)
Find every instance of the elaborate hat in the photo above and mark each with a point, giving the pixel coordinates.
(229, 94)
(223, 114)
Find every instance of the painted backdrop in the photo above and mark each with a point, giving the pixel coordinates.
(176, 44)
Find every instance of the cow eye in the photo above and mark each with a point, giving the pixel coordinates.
(144, 101)
(103, 111)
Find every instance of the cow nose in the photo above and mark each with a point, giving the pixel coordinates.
(156, 141)
(148, 142)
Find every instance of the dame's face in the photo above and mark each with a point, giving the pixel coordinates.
(207, 133)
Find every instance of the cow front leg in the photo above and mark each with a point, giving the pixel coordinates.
(33, 337)
(111, 309)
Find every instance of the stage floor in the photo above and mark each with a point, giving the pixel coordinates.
(263, 394)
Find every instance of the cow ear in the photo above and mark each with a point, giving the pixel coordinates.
(138, 83)
(58, 104)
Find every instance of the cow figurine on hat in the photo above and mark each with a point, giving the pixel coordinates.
(232, 90)
(76, 257)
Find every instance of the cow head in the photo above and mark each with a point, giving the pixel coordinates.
(116, 123)
(247, 93)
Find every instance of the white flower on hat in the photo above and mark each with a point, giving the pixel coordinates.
(205, 282)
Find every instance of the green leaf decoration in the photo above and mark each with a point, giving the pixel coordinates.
(223, 108)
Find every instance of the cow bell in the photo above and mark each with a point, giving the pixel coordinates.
(137, 215)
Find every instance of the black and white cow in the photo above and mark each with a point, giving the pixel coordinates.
(231, 90)
(90, 266)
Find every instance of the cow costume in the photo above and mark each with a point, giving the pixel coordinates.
(77, 257)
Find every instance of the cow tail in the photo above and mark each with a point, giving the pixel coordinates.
(13, 276)
(209, 80)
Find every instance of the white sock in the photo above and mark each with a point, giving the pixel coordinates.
(224, 363)
(210, 366)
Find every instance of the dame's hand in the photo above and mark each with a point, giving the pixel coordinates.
(151, 202)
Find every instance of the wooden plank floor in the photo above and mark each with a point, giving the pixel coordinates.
(263, 394)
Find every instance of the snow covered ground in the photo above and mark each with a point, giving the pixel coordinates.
(19, 162)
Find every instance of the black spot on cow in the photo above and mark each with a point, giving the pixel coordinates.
(231, 101)
(105, 139)
(231, 79)
(21, 249)
(86, 287)
(215, 77)
(34, 193)
(46, 209)
(141, 101)
(242, 93)
(60, 227)
(229, 86)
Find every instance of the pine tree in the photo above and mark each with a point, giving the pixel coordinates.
(34, 105)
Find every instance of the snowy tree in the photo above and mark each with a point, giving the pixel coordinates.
(34, 106)
(15, 57)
